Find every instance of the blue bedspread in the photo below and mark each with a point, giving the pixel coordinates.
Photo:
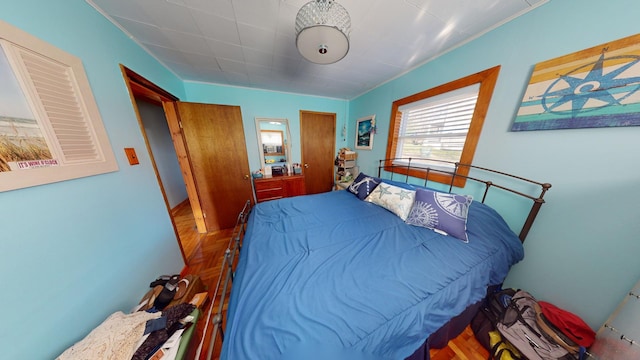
(329, 276)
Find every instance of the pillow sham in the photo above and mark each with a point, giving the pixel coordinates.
(363, 185)
(400, 184)
(393, 198)
(442, 212)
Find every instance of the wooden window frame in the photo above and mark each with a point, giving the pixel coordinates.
(487, 80)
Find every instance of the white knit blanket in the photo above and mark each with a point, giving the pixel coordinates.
(116, 338)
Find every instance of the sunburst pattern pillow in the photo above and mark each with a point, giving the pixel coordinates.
(393, 198)
(441, 212)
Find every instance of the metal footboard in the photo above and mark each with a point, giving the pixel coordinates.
(225, 279)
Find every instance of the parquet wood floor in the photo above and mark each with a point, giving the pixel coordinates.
(205, 253)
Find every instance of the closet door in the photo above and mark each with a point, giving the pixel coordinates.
(318, 140)
(217, 154)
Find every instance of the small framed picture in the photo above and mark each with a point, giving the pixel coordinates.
(365, 129)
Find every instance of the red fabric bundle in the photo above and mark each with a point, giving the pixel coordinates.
(570, 324)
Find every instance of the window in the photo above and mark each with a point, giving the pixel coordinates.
(50, 127)
(440, 124)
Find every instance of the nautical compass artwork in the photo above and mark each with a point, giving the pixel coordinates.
(595, 87)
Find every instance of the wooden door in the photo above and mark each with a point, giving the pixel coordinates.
(217, 154)
(318, 138)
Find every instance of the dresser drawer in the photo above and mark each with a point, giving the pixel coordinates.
(268, 184)
(269, 194)
(278, 187)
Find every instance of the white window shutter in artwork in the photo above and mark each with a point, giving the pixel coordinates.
(58, 94)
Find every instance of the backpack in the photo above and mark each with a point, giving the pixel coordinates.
(519, 327)
(501, 349)
(484, 323)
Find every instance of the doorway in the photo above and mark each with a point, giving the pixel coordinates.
(147, 99)
(318, 139)
(207, 141)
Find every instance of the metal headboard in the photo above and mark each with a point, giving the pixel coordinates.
(404, 167)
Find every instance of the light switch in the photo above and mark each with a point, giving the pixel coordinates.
(131, 155)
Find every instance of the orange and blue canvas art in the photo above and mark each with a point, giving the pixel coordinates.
(595, 87)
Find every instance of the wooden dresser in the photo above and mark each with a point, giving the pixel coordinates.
(278, 187)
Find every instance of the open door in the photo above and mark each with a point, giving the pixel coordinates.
(214, 152)
(217, 177)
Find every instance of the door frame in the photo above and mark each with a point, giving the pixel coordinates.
(143, 89)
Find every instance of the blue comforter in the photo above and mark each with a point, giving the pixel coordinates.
(329, 276)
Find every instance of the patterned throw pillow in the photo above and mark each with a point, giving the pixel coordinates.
(363, 185)
(393, 198)
(442, 212)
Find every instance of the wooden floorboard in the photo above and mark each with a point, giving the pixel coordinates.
(205, 253)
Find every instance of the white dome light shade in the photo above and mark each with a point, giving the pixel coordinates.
(322, 31)
(322, 44)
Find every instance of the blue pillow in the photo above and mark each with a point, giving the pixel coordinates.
(363, 185)
(442, 212)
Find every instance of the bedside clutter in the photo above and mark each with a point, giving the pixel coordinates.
(346, 169)
(148, 332)
(278, 170)
(343, 185)
(513, 322)
(169, 291)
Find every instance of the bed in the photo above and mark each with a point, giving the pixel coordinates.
(341, 276)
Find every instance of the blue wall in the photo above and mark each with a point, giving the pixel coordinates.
(582, 251)
(269, 104)
(73, 252)
(164, 154)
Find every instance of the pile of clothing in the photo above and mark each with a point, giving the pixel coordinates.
(133, 336)
(153, 329)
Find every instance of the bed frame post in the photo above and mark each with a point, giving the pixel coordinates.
(487, 186)
(453, 176)
(537, 203)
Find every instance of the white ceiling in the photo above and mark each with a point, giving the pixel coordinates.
(251, 43)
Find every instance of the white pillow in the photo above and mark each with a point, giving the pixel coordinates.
(393, 198)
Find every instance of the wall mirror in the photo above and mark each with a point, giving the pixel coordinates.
(273, 141)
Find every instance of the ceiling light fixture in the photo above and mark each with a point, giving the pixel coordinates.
(322, 31)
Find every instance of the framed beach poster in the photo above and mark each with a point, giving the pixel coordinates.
(365, 129)
(595, 87)
(50, 125)
(22, 143)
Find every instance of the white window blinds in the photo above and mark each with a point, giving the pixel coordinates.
(437, 127)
